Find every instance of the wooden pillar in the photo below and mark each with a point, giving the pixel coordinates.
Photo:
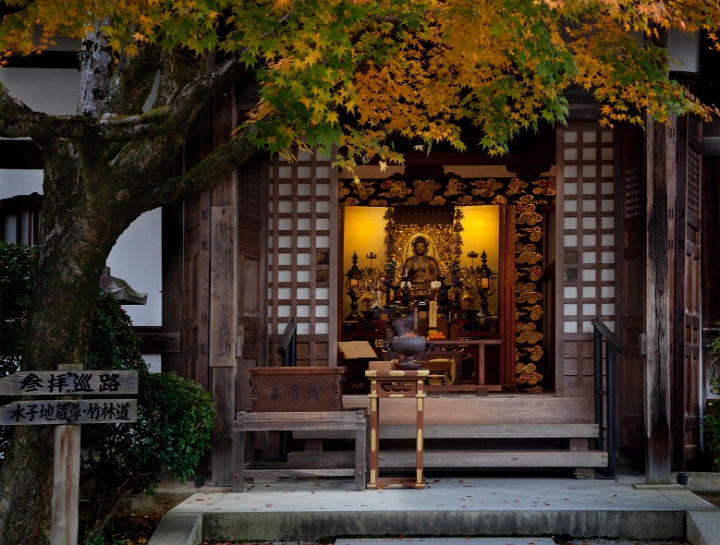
(660, 155)
(223, 299)
(507, 295)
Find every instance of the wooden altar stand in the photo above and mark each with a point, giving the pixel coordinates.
(395, 384)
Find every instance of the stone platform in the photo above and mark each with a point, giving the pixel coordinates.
(489, 505)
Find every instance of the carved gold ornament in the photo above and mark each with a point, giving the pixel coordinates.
(515, 186)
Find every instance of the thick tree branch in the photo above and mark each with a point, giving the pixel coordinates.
(221, 161)
(18, 120)
(175, 109)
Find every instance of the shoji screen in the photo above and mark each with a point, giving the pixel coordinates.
(586, 235)
(302, 259)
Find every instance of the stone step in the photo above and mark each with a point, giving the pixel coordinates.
(450, 541)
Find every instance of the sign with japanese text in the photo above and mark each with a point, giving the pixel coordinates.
(55, 383)
(296, 389)
(101, 411)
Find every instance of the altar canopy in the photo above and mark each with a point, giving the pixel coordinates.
(450, 190)
(434, 209)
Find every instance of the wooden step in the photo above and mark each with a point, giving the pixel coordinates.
(468, 459)
(487, 431)
(472, 410)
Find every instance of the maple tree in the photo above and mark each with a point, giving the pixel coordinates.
(346, 73)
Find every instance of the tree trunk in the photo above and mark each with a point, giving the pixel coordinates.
(76, 238)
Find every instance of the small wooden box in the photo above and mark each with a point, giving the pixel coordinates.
(296, 389)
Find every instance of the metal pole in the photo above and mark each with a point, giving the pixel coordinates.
(293, 350)
(612, 428)
(597, 360)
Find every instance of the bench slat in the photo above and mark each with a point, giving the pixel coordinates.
(252, 473)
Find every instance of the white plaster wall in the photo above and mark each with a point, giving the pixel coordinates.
(136, 258)
(20, 182)
(48, 90)
(685, 49)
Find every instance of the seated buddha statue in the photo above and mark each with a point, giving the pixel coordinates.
(420, 269)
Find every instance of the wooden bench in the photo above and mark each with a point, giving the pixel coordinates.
(353, 423)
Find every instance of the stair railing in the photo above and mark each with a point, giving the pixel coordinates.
(612, 349)
(288, 358)
(288, 345)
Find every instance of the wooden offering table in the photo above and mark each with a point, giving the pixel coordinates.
(480, 344)
(395, 384)
(300, 421)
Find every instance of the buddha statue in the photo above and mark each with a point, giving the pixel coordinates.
(420, 269)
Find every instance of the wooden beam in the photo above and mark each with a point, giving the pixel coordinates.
(155, 341)
(47, 59)
(711, 146)
(21, 154)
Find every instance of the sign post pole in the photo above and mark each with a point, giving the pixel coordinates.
(66, 480)
(69, 383)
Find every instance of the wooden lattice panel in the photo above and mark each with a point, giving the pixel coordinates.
(302, 259)
(586, 235)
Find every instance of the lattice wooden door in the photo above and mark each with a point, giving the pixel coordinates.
(586, 239)
(687, 337)
(303, 256)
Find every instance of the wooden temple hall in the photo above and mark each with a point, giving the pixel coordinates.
(509, 265)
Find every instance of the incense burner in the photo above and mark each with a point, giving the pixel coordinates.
(409, 347)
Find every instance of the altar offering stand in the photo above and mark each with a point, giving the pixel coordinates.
(395, 384)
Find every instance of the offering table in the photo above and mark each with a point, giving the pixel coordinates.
(395, 384)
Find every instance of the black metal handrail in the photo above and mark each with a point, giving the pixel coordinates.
(288, 344)
(288, 356)
(612, 349)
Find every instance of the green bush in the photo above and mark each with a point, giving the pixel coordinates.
(175, 416)
(175, 419)
(712, 418)
(16, 276)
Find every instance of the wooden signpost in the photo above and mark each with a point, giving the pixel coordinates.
(68, 413)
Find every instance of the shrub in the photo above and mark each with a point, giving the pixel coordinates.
(175, 419)
(17, 263)
(712, 418)
(175, 416)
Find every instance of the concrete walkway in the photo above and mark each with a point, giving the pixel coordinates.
(456, 506)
